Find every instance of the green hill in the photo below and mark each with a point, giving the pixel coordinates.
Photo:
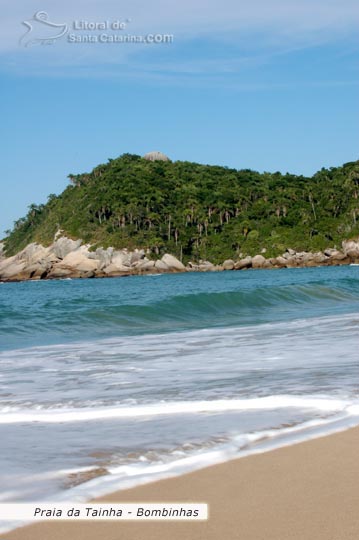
(197, 211)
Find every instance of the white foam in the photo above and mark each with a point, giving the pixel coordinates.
(171, 408)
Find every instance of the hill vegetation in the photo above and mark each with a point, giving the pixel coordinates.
(197, 211)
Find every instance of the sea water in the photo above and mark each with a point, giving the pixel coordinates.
(110, 383)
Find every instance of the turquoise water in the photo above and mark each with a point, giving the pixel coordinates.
(43, 312)
(146, 377)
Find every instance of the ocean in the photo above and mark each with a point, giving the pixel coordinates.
(110, 383)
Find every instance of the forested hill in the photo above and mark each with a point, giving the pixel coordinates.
(197, 211)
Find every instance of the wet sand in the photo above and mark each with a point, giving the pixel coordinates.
(308, 491)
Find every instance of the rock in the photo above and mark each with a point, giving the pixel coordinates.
(319, 257)
(39, 270)
(173, 263)
(243, 263)
(121, 258)
(80, 261)
(161, 266)
(10, 269)
(59, 272)
(335, 255)
(113, 270)
(291, 252)
(146, 266)
(281, 262)
(258, 261)
(63, 246)
(104, 257)
(137, 256)
(75, 264)
(351, 248)
(206, 266)
(228, 264)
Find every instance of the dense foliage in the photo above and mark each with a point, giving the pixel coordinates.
(197, 211)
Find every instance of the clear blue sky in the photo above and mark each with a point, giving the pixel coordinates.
(262, 84)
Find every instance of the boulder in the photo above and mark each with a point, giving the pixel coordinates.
(336, 255)
(161, 266)
(145, 266)
(319, 257)
(63, 246)
(281, 262)
(136, 256)
(173, 263)
(59, 272)
(113, 270)
(10, 269)
(103, 256)
(206, 266)
(351, 248)
(258, 261)
(228, 264)
(75, 264)
(243, 263)
(121, 258)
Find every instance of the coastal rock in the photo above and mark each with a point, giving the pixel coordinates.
(63, 246)
(258, 261)
(336, 256)
(10, 269)
(319, 257)
(75, 264)
(136, 256)
(121, 258)
(113, 270)
(351, 248)
(104, 257)
(206, 266)
(79, 260)
(228, 264)
(145, 266)
(281, 262)
(243, 263)
(173, 263)
(161, 266)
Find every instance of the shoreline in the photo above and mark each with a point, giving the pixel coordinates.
(67, 258)
(308, 490)
(186, 271)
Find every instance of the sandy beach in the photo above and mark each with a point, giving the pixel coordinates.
(308, 491)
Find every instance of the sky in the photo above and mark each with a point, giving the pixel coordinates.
(270, 85)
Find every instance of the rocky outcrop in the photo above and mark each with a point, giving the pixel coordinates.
(67, 258)
(258, 261)
(173, 264)
(351, 249)
(228, 264)
(243, 264)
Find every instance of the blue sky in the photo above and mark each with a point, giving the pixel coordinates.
(267, 84)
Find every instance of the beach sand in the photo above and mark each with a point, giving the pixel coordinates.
(308, 491)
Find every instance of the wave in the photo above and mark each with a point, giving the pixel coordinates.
(107, 308)
(172, 408)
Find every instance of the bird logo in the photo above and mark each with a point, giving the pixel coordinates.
(40, 31)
